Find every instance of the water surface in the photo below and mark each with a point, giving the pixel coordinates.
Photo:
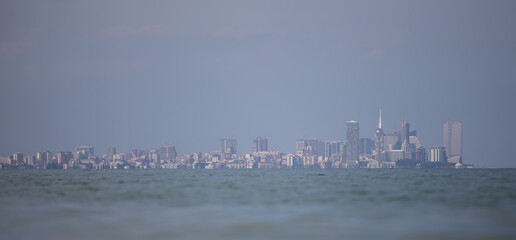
(258, 204)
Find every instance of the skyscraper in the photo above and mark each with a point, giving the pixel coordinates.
(453, 141)
(228, 146)
(110, 152)
(260, 144)
(312, 147)
(63, 157)
(352, 135)
(44, 158)
(405, 136)
(379, 144)
(365, 146)
(333, 149)
(167, 153)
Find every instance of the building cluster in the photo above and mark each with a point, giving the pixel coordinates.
(398, 149)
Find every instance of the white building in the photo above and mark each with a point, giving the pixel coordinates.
(453, 141)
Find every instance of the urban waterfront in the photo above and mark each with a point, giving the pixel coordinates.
(258, 204)
(399, 149)
(257, 120)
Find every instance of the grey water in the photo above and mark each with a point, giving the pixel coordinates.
(258, 204)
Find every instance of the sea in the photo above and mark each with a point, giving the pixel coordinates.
(258, 204)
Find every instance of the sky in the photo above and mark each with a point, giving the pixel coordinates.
(142, 74)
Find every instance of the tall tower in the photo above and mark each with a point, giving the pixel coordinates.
(352, 135)
(453, 141)
(379, 140)
(405, 136)
(260, 144)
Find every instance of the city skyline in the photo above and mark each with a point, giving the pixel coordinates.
(401, 149)
(258, 119)
(253, 141)
(246, 147)
(189, 74)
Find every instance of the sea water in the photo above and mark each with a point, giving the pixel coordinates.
(258, 204)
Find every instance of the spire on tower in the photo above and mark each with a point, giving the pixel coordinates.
(380, 122)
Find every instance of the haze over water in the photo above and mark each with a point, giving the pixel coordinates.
(259, 204)
(132, 74)
(144, 74)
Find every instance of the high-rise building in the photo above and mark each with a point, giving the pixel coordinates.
(110, 152)
(17, 158)
(392, 141)
(311, 147)
(167, 153)
(260, 144)
(29, 160)
(84, 152)
(48, 157)
(228, 146)
(405, 136)
(352, 135)
(379, 141)
(333, 149)
(365, 146)
(438, 154)
(421, 154)
(154, 157)
(44, 158)
(63, 157)
(453, 141)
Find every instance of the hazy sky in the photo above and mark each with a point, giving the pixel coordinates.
(188, 73)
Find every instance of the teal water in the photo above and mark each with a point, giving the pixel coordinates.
(258, 204)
